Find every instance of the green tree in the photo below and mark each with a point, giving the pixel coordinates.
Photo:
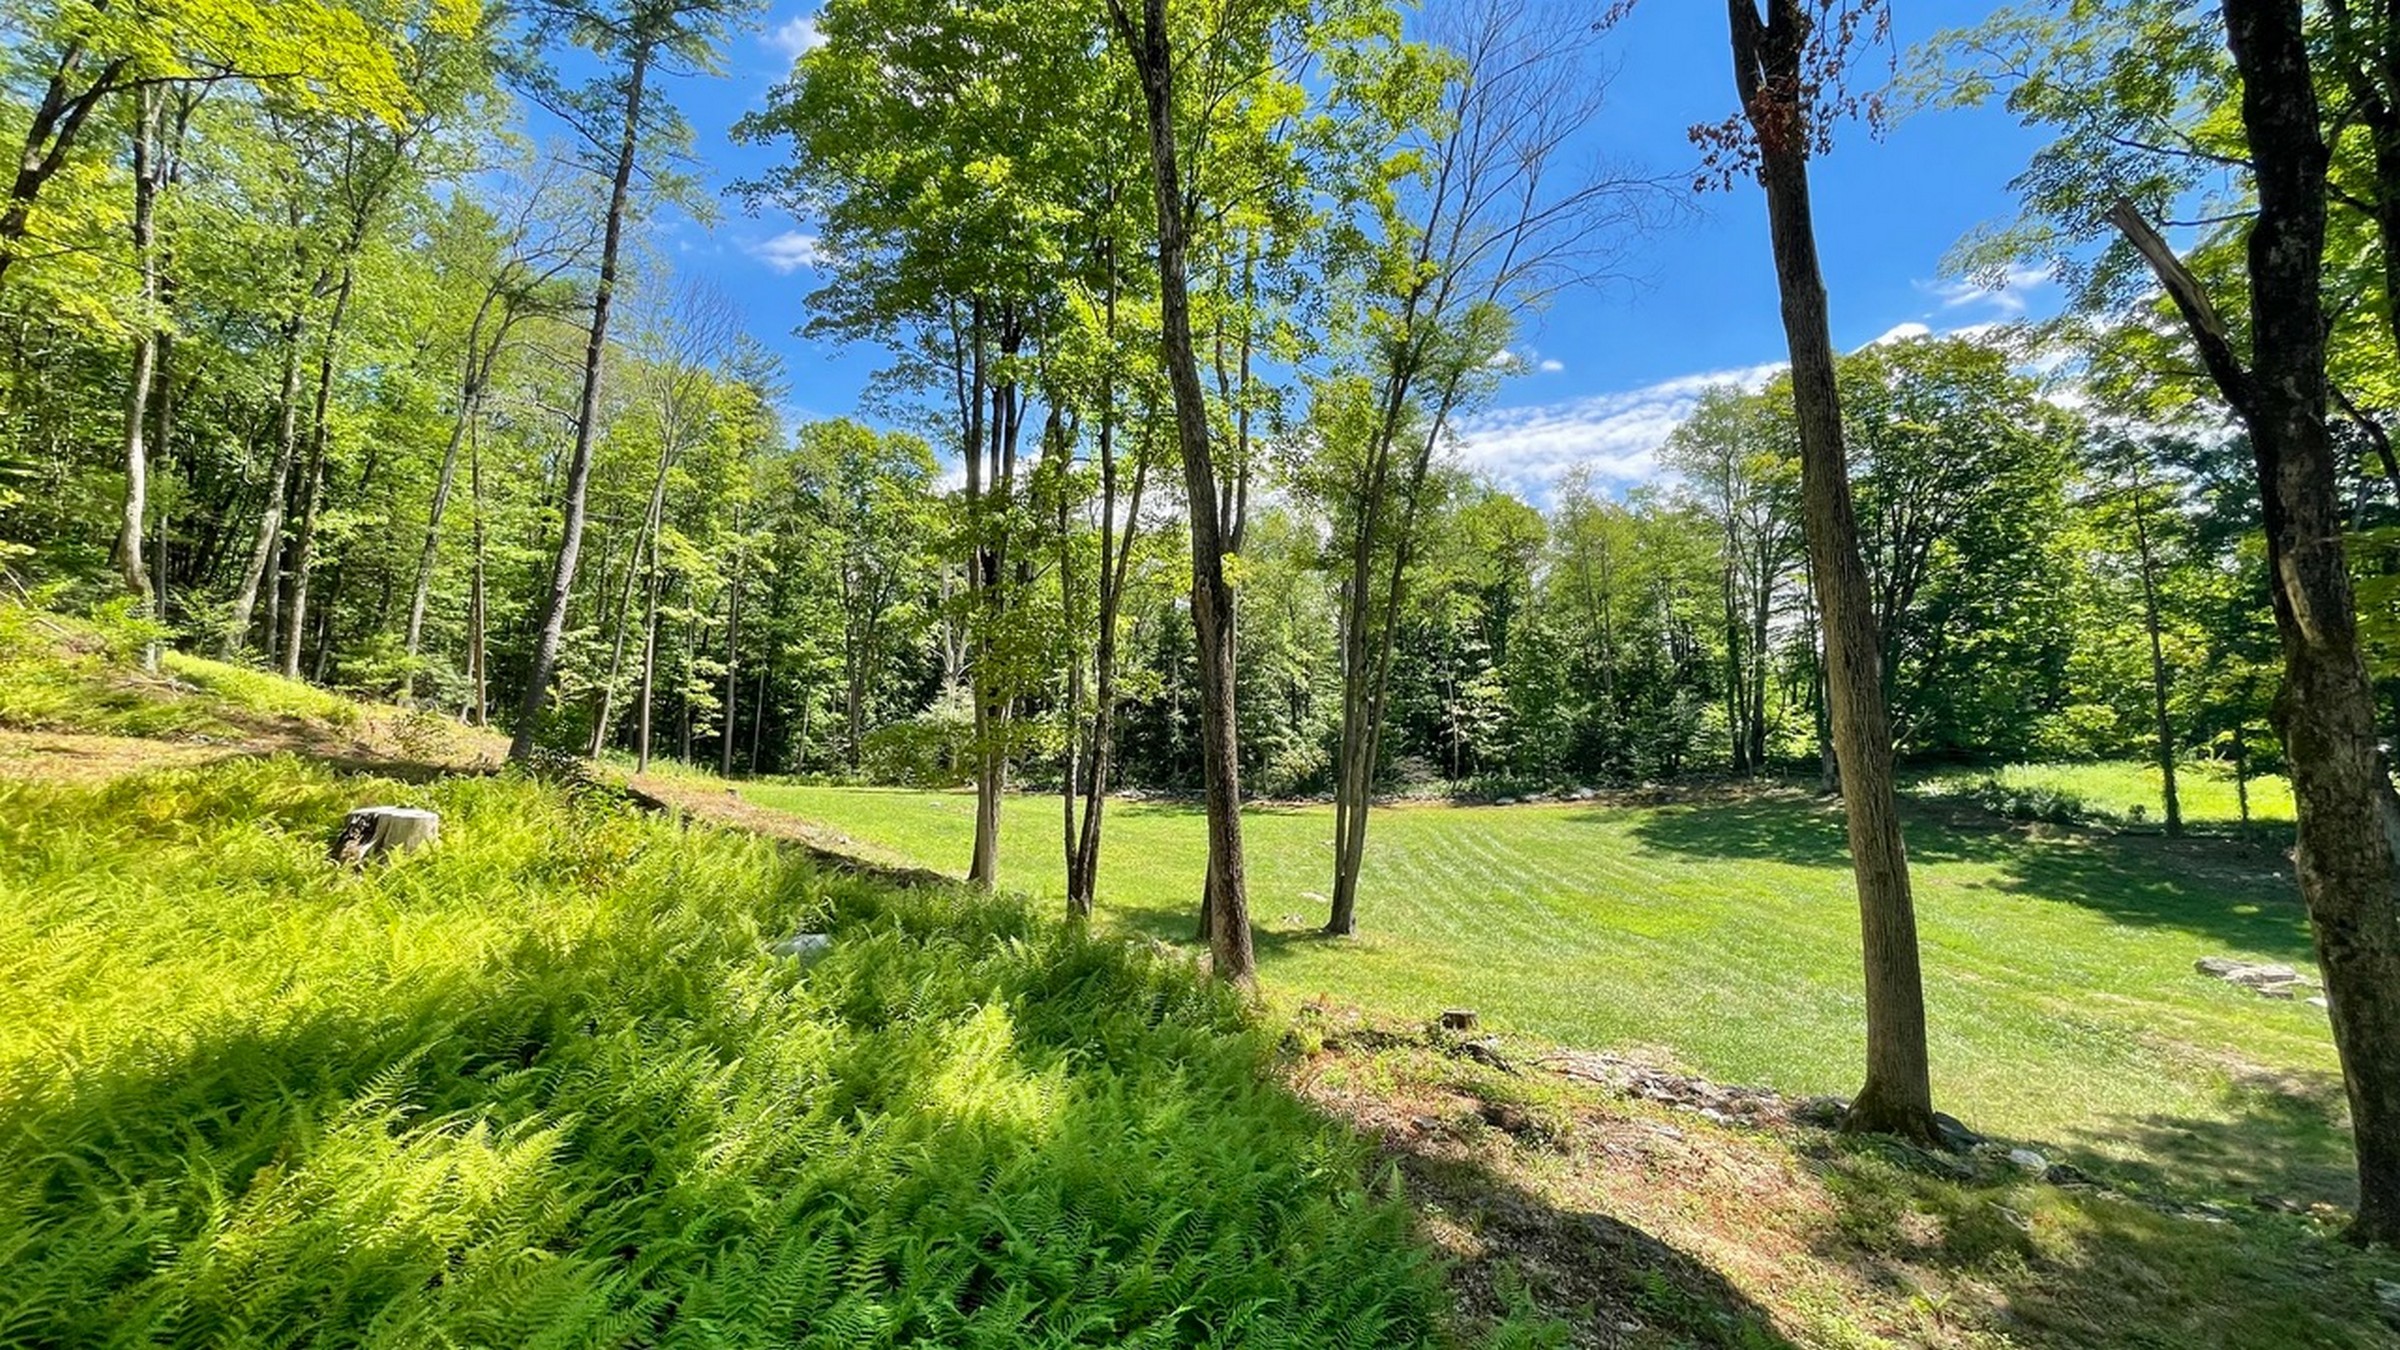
(615, 115)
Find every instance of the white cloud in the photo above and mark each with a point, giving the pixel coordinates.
(794, 37)
(1552, 365)
(788, 252)
(1902, 332)
(1617, 436)
(2008, 299)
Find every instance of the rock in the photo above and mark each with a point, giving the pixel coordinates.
(2027, 1161)
(2388, 1294)
(2068, 1174)
(1506, 801)
(2319, 1002)
(1953, 1134)
(1487, 1051)
(1823, 1112)
(372, 831)
(806, 946)
(1583, 794)
(2267, 979)
(1458, 1019)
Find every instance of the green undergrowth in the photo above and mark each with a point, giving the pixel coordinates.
(545, 1085)
(62, 673)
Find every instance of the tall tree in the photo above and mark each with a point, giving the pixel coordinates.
(1787, 72)
(1493, 220)
(1152, 45)
(2349, 815)
(636, 41)
(1739, 460)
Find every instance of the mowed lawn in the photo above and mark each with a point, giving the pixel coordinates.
(2206, 793)
(1722, 934)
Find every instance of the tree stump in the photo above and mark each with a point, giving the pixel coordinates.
(1458, 1019)
(373, 831)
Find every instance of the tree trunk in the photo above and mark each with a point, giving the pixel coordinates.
(477, 681)
(1212, 598)
(270, 519)
(1897, 1097)
(646, 539)
(304, 546)
(2325, 711)
(475, 372)
(733, 649)
(2165, 743)
(1083, 874)
(587, 415)
(132, 561)
(648, 695)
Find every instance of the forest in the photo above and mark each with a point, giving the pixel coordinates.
(319, 369)
(349, 340)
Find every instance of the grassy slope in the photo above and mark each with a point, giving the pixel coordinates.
(1722, 933)
(542, 1086)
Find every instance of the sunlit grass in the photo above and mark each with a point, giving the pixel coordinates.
(2123, 791)
(545, 1085)
(261, 693)
(1724, 934)
(63, 673)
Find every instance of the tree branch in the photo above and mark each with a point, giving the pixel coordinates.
(2200, 315)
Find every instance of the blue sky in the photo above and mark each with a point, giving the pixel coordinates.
(1614, 368)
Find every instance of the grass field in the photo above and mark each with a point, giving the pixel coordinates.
(2112, 790)
(1722, 934)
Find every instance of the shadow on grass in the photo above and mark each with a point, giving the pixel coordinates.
(2050, 1266)
(2233, 892)
(2280, 1138)
(1586, 1268)
(1270, 935)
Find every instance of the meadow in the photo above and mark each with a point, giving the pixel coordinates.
(1719, 933)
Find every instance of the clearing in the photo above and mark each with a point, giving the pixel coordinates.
(1717, 931)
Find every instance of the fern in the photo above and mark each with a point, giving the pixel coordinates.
(544, 1086)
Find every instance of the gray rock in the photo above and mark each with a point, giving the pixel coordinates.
(2027, 1161)
(805, 946)
(1953, 1134)
(2266, 979)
